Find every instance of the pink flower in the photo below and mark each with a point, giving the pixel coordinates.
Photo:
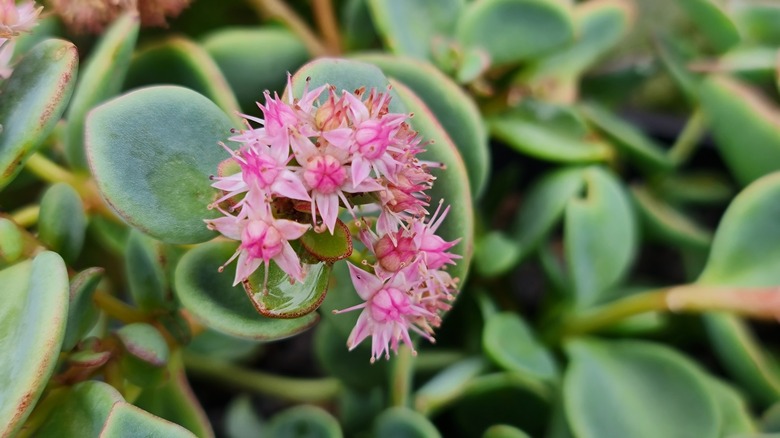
(434, 249)
(388, 313)
(263, 238)
(15, 19)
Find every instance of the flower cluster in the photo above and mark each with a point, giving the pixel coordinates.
(326, 151)
(94, 16)
(14, 20)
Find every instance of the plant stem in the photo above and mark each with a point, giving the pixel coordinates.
(689, 138)
(401, 381)
(117, 309)
(327, 24)
(278, 9)
(26, 216)
(285, 388)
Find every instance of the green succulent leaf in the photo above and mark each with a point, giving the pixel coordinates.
(282, 299)
(528, 28)
(249, 76)
(153, 174)
(647, 390)
(11, 241)
(735, 416)
(713, 22)
(125, 417)
(448, 385)
(400, 421)
(453, 108)
(504, 431)
(82, 313)
(241, 420)
(510, 343)
(746, 128)
(600, 236)
(145, 274)
(34, 98)
(100, 79)
(179, 61)
(757, 22)
(496, 254)
(667, 222)
(306, 420)
(62, 222)
(146, 355)
(209, 295)
(328, 247)
(697, 187)
(32, 322)
(408, 27)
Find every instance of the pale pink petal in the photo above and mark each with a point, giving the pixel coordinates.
(367, 185)
(303, 148)
(290, 230)
(339, 137)
(328, 206)
(361, 331)
(230, 183)
(361, 168)
(357, 109)
(365, 283)
(245, 267)
(228, 226)
(289, 262)
(289, 185)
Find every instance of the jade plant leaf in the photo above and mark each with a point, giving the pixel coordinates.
(713, 22)
(154, 175)
(179, 61)
(328, 247)
(145, 274)
(83, 410)
(100, 79)
(283, 299)
(504, 431)
(32, 322)
(453, 108)
(249, 76)
(305, 420)
(529, 28)
(510, 343)
(62, 222)
(448, 385)
(209, 295)
(408, 27)
(745, 252)
(735, 416)
(635, 144)
(746, 128)
(697, 187)
(241, 420)
(400, 421)
(11, 241)
(667, 222)
(146, 355)
(34, 98)
(82, 313)
(647, 390)
(125, 417)
(600, 236)
(496, 254)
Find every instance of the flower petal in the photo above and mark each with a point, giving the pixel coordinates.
(366, 284)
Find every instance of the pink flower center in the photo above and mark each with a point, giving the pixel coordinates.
(260, 169)
(324, 174)
(390, 304)
(372, 138)
(8, 13)
(261, 240)
(394, 257)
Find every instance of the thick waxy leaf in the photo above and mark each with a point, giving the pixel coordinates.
(174, 401)
(32, 326)
(265, 69)
(357, 28)
(695, 188)
(83, 410)
(62, 222)
(451, 184)
(34, 98)
(283, 299)
(154, 176)
(453, 108)
(100, 79)
(645, 390)
(746, 128)
(145, 273)
(409, 27)
(647, 153)
(668, 223)
(82, 313)
(125, 417)
(600, 236)
(399, 421)
(146, 355)
(304, 421)
(448, 385)
(11, 241)
(328, 247)
(713, 22)
(241, 420)
(209, 295)
(544, 205)
(746, 252)
(735, 416)
(529, 28)
(757, 21)
(504, 431)
(182, 62)
(496, 254)
(509, 342)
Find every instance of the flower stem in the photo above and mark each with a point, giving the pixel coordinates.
(117, 309)
(402, 369)
(26, 216)
(279, 10)
(688, 139)
(325, 17)
(285, 388)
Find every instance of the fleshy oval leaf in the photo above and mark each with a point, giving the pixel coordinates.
(648, 390)
(283, 299)
(100, 79)
(146, 356)
(210, 296)
(304, 420)
(34, 98)
(713, 22)
(401, 421)
(667, 222)
(510, 343)
(82, 312)
(62, 223)
(32, 322)
(145, 274)
(328, 247)
(529, 28)
(11, 241)
(154, 176)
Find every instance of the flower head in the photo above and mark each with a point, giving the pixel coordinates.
(16, 19)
